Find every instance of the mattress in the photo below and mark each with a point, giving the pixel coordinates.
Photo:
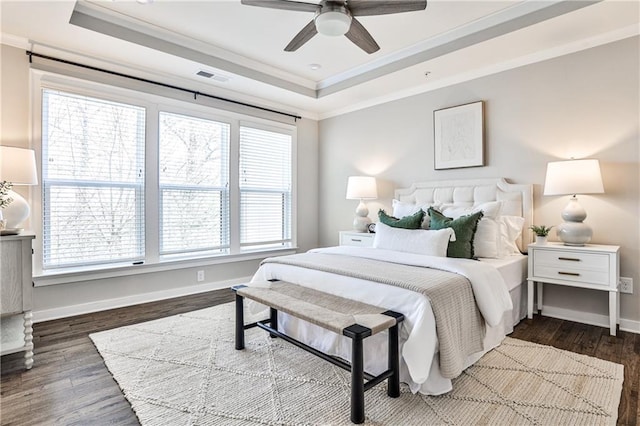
(513, 270)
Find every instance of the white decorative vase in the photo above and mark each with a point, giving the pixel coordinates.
(541, 240)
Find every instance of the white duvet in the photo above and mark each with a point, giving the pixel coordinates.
(419, 343)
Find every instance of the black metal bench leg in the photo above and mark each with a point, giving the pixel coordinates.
(273, 321)
(393, 384)
(357, 380)
(239, 322)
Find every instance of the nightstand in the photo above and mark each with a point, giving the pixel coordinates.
(359, 239)
(591, 266)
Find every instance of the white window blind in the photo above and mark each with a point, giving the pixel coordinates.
(265, 189)
(93, 180)
(194, 192)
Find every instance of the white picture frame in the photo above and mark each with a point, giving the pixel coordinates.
(459, 136)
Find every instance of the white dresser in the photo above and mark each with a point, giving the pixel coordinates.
(359, 239)
(16, 296)
(591, 266)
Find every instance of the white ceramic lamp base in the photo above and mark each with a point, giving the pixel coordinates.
(16, 212)
(361, 220)
(573, 232)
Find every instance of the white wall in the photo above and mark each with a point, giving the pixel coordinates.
(51, 301)
(580, 105)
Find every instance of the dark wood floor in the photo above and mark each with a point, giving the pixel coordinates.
(69, 384)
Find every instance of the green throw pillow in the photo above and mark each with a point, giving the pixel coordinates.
(464, 227)
(408, 222)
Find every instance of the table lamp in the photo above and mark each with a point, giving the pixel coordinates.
(361, 188)
(573, 177)
(17, 167)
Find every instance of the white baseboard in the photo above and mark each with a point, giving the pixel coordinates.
(589, 318)
(103, 305)
(630, 326)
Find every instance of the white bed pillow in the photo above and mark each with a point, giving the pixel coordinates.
(510, 231)
(486, 242)
(490, 209)
(402, 209)
(419, 241)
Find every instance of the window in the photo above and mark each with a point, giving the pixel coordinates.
(194, 183)
(93, 181)
(130, 178)
(265, 189)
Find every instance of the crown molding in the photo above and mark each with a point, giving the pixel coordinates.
(558, 51)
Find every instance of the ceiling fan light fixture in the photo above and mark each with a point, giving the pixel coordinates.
(333, 23)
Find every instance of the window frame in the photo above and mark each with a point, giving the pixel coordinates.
(222, 189)
(292, 192)
(137, 187)
(153, 104)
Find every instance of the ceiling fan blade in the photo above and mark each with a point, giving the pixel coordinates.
(361, 37)
(302, 37)
(384, 7)
(283, 4)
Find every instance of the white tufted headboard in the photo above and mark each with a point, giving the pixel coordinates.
(517, 198)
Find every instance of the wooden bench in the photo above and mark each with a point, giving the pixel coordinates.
(350, 318)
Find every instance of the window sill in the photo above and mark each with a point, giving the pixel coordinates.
(88, 274)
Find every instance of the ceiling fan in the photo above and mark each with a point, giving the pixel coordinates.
(337, 17)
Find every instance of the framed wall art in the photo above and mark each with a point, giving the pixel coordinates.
(459, 136)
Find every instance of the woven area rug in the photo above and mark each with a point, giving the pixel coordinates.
(184, 370)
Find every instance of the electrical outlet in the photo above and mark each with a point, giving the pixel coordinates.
(200, 276)
(626, 285)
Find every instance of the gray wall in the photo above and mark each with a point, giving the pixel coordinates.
(580, 105)
(14, 122)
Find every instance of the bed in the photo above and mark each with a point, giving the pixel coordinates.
(496, 281)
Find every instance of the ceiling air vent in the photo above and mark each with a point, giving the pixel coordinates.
(204, 74)
(216, 77)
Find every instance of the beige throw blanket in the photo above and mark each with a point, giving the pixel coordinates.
(459, 324)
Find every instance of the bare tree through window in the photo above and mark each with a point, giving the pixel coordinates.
(193, 184)
(93, 180)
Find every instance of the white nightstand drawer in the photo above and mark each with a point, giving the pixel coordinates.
(573, 260)
(572, 274)
(358, 239)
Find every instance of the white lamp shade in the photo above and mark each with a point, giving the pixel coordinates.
(333, 23)
(362, 188)
(573, 177)
(18, 166)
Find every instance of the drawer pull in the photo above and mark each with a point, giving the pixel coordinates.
(355, 240)
(573, 274)
(573, 259)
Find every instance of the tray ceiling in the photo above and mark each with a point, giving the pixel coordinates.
(242, 46)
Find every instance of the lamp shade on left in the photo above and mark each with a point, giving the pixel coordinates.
(362, 188)
(18, 166)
